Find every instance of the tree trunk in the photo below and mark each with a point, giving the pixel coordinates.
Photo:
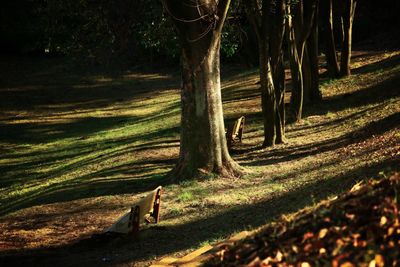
(268, 23)
(203, 147)
(312, 44)
(278, 69)
(307, 79)
(279, 81)
(348, 18)
(329, 39)
(268, 101)
(296, 98)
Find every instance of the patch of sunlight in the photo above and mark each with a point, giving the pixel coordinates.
(154, 76)
(103, 79)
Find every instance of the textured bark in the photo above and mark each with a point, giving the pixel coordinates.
(348, 18)
(268, 101)
(279, 81)
(268, 21)
(307, 79)
(203, 148)
(298, 32)
(278, 69)
(328, 37)
(315, 94)
(296, 98)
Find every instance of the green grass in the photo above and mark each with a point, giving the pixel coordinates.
(82, 146)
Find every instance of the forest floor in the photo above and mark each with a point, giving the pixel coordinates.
(77, 147)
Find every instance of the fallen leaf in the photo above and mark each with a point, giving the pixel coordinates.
(307, 235)
(267, 261)
(390, 231)
(322, 233)
(379, 260)
(383, 220)
(347, 264)
(279, 256)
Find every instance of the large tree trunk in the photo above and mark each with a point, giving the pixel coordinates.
(348, 18)
(329, 38)
(203, 148)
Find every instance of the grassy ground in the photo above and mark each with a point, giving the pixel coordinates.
(77, 147)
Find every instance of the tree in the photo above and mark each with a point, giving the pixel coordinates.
(267, 18)
(345, 11)
(328, 37)
(299, 27)
(203, 147)
(349, 10)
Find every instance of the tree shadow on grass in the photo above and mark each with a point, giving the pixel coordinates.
(378, 93)
(28, 85)
(125, 178)
(158, 241)
(133, 177)
(292, 153)
(379, 65)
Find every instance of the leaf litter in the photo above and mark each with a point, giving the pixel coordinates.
(359, 228)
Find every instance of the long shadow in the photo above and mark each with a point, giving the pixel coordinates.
(44, 133)
(133, 180)
(378, 93)
(158, 241)
(379, 65)
(26, 85)
(79, 154)
(372, 129)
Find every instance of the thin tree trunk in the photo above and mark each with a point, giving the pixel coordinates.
(298, 32)
(269, 27)
(312, 44)
(348, 18)
(307, 79)
(279, 81)
(296, 99)
(278, 69)
(329, 38)
(268, 101)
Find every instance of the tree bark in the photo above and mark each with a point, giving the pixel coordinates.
(315, 94)
(329, 38)
(307, 75)
(268, 101)
(348, 18)
(298, 32)
(296, 98)
(278, 69)
(203, 147)
(268, 21)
